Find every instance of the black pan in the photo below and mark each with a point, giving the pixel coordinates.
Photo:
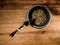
(32, 21)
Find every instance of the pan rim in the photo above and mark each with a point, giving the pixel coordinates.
(40, 26)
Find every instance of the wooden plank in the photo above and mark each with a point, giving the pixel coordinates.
(10, 20)
(17, 4)
(32, 38)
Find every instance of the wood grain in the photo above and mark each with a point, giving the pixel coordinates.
(12, 19)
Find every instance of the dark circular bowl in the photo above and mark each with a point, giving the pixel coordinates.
(46, 11)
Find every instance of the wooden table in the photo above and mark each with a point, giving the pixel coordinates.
(12, 17)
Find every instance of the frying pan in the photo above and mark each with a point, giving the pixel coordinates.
(31, 21)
